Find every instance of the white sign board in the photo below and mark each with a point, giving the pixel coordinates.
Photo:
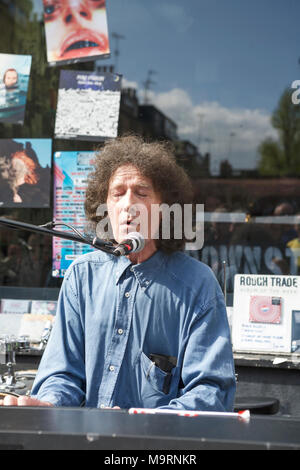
(263, 309)
(15, 306)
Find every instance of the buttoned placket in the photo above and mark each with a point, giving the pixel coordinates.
(127, 287)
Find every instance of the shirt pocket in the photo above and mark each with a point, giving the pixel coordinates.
(151, 383)
(154, 376)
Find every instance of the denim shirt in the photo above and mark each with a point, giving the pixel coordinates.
(113, 316)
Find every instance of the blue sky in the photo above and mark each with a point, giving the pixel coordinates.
(220, 65)
(20, 62)
(42, 147)
(239, 52)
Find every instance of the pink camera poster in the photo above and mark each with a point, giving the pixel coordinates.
(263, 307)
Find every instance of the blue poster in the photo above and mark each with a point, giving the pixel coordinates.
(14, 80)
(71, 170)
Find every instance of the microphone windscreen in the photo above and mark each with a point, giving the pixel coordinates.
(139, 239)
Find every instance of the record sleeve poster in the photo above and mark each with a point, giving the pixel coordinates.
(70, 179)
(25, 172)
(14, 80)
(263, 311)
(75, 30)
(88, 105)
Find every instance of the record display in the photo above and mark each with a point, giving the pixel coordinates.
(265, 309)
(264, 316)
(75, 30)
(14, 80)
(70, 179)
(88, 105)
(25, 172)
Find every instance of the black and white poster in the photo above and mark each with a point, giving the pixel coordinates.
(88, 105)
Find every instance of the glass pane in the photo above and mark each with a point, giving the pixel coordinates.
(218, 79)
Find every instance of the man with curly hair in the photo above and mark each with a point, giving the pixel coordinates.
(145, 330)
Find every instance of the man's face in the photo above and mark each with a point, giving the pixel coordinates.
(75, 28)
(129, 202)
(11, 79)
(5, 168)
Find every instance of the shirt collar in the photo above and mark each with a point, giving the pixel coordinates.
(144, 272)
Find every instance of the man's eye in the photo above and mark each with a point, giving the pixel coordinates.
(51, 9)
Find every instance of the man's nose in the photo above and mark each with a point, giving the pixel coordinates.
(128, 200)
(128, 203)
(76, 11)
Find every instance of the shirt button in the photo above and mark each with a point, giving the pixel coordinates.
(131, 268)
(120, 331)
(111, 368)
(102, 406)
(127, 294)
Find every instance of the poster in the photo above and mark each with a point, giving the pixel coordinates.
(88, 105)
(70, 179)
(76, 31)
(295, 331)
(25, 172)
(263, 310)
(14, 80)
(43, 307)
(15, 306)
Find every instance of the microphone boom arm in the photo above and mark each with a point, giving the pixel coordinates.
(97, 243)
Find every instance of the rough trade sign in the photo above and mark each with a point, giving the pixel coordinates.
(274, 281)
(264, 307)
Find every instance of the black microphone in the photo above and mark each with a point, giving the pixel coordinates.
(133, 244)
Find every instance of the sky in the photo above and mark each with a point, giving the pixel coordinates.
(21, 62)
(43, 149)
(219, 66)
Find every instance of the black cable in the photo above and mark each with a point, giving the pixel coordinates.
(91, 241)
(54, 224)
(45, 230)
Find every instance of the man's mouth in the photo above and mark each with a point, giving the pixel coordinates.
(83, 43)
(129, 226)
(129, 223)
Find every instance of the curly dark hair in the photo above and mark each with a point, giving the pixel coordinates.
(154, 160)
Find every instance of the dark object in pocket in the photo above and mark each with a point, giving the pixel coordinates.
(166, 364)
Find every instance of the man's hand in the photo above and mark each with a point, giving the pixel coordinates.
(10, 400)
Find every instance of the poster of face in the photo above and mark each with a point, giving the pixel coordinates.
(88, 105)
(76, 30)
(25, 172)
(70, 179)
(14, 79)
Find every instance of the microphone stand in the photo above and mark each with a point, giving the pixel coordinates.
(95, 242)
(8, 381)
